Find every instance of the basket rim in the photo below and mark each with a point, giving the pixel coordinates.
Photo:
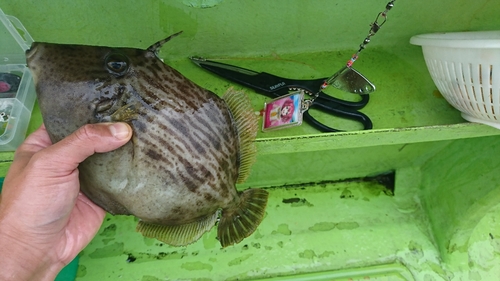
(467, 39)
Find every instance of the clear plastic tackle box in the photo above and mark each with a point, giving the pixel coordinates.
(17, 91)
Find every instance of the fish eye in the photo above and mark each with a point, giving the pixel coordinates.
(117, 64)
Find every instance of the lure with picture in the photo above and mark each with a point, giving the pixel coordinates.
(188, 150)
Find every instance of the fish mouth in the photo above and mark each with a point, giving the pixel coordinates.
(31, 52)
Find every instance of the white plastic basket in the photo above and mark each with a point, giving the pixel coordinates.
(465, 67)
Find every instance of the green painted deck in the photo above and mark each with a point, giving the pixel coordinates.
(323, 222)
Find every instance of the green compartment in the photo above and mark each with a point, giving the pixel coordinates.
(327, 217)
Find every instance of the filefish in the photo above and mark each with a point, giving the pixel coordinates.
(189, 148)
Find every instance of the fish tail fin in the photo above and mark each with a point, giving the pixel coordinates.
(178, 235)
(156, 46)
(240, 222)
(247, 125)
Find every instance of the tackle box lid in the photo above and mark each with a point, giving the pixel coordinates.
(15, 40)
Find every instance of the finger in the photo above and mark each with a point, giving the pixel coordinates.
(35, 142)
(86, 141)
(39, 139)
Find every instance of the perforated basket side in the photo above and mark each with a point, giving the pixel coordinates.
(469, 79)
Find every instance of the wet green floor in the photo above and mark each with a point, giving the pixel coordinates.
(307, 228)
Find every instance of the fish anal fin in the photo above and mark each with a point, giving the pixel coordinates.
(247, 125)
(240, 222)
(178, 235)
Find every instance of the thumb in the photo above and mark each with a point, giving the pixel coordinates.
(87, 140)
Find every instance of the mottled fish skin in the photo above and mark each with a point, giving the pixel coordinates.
(182, 162)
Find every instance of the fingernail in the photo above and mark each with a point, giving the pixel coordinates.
(119, 130)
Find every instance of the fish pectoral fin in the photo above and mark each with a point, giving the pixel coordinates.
(247, 125)
(240, 222)
(125, 114)
(178, 235)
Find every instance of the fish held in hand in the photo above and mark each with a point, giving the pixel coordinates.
(189, 147)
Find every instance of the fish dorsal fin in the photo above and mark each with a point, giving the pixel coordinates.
(178, 235)
(241, 221)
(247, 125)
(156, 46)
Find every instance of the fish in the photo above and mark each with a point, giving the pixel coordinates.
(189, 147)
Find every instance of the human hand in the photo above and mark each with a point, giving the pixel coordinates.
(44, 219)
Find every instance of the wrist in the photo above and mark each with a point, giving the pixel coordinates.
(20, 261)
